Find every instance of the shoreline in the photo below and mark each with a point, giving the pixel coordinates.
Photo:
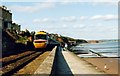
(108, 65)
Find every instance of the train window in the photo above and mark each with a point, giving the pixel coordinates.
(40, 37)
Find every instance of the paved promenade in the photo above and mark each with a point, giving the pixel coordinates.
(79, 66)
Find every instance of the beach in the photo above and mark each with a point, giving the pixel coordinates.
(103, 56)
(109, 65)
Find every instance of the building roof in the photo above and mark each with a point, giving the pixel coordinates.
(4, 8)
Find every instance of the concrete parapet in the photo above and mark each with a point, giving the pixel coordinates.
(46, 66)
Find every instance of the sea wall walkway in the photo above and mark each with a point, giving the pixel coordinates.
(79, 66)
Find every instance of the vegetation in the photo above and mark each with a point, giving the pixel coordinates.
(25, 38)
(13, 41)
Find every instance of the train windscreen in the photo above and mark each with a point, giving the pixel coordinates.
(40, 36)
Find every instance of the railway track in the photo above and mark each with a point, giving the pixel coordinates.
(13, 63)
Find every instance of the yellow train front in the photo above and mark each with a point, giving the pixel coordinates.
(40, 40)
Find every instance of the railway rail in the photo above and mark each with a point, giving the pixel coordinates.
(13, 63)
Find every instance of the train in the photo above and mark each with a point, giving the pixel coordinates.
(44, 40)
(41, 40)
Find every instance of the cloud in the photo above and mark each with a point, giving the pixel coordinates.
(69, 19)
(89, 1)
(64, 25)
(32, 8)
(44, 20)
(104, 0)
(75, 19)
(79, 26)
(93, 2)
(83, 18)
(96, 17)
(104, 17)
(64, 19)
(111, 17)
(61, 0)
(18, 21)
(106, 3)
(28, 1)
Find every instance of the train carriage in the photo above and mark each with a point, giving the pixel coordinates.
(41, 40)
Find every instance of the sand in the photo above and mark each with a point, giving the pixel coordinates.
(109, 65)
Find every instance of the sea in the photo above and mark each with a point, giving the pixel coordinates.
(104, 48)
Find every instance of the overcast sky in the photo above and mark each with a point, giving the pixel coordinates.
(84, 20)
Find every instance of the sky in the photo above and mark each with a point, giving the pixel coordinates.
(90, 20)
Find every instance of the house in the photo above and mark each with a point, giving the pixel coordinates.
(5, 17)
(6, 20)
